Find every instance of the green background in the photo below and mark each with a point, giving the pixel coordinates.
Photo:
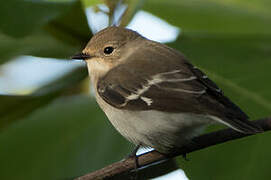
(56, 134)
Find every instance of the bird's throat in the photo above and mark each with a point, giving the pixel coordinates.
(97, 69)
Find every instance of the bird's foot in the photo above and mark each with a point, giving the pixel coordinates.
(136, 164)
(133, 155)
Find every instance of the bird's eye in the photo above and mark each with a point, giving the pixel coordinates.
(108, 50)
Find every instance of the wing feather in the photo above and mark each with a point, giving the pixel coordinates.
(170, 84)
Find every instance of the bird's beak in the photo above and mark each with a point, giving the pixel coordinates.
(81, 56)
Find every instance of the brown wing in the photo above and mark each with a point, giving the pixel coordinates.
(163, 80)
(145, 93)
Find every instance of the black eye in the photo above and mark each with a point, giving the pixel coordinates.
(108, 50)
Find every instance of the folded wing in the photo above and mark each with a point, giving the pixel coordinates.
(170, 84)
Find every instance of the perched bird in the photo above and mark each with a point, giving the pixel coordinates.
(151, 94)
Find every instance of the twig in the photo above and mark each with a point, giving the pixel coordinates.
(200, 142)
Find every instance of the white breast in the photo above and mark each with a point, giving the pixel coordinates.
(160, 130)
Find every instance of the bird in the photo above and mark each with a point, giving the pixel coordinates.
(152, 94)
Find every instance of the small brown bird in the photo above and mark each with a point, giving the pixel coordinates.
(151, 94)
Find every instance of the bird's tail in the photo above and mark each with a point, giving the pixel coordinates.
(244, 126)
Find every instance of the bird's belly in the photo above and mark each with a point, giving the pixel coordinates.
(160, 130)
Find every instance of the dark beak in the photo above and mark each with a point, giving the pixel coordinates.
(81, 56)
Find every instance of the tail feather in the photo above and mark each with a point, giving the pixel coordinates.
(244, 126)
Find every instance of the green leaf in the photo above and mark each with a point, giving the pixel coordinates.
(13, 108)
(67, 139)
(213, 16)
(30, 16)
(91, 2)
(57, 30)
(239, 65)
(20, 17)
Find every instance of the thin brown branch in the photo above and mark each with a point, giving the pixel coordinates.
(201, 142)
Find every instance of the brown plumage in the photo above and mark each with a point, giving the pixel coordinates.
(145, 79)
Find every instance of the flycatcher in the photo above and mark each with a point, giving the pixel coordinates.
(152, 94)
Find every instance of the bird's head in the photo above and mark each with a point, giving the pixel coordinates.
(107, 47)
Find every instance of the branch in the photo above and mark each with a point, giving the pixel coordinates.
(200, 142)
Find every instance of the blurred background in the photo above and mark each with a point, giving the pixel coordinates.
(50, 124)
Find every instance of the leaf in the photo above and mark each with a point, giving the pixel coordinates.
(214, 16)
(71, 27)
(91, 2)
(59, 31)
(240, 159)
(13, 108)
(21, 21)
(62, 141)
(239, 64)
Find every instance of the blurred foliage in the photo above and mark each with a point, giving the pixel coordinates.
(114, 6)
(133, 7)
(229, 39)
(242, 77)
(214, 16)
(68, 138)
(14, 107)
(232, 43)
(41, 28)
